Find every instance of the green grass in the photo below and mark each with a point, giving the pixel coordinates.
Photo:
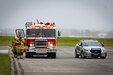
(71, 41)
(6, 40)
(4, 64)
(62, 41)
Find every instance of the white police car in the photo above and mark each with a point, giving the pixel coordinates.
(90, 48)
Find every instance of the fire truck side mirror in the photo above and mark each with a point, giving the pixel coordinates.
(20, 32)
(59, 33)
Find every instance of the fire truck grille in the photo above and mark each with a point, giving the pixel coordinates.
(40, 43)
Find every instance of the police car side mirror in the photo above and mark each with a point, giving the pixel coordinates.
(80, 45)
(102, 45)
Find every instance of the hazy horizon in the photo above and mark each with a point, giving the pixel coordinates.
(69, 33)
(67, 14)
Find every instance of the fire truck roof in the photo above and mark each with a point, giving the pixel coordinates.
(41, 25)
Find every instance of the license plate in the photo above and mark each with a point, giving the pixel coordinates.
(40, 51)
(96, 54)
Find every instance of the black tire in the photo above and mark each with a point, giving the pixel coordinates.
(28, 55)
(76, 55)
(96, 57)
(51, 55)
(103, 57)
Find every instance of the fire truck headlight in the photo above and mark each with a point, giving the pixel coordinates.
(51, 45)
(31, 45)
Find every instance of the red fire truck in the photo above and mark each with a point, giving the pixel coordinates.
(40, 39)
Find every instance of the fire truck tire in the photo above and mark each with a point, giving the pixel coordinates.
(51, 55)
(28, 55)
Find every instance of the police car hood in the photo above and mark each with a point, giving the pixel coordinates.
(93, 47)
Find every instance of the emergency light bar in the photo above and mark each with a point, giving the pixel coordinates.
(41, 25)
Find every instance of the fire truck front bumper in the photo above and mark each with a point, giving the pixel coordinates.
(42, 50)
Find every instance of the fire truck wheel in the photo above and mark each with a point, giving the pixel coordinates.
(51, 55)
(28, 55)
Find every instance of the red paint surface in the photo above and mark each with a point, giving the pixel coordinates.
(31, 40)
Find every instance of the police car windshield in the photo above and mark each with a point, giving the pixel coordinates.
(91, 44)
(40, 33)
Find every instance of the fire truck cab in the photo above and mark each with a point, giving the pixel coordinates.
(40, 39)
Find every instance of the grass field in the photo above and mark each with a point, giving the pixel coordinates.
(4, 64)
(62, 41)
(71, 41)
(6, 40)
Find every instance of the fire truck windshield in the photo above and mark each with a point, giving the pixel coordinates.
(41, 33)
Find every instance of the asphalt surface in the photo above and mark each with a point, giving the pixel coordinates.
(4, 49)
(67, 64)
(64, 64)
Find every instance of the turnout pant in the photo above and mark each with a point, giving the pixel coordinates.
(20, 53)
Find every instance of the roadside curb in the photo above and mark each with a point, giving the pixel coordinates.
(15, 65)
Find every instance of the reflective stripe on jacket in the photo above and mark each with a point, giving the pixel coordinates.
(20, 44)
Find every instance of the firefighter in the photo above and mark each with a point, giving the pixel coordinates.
(14, 47)
(20, 47)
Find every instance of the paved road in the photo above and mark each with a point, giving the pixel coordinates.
(66, 64)
(4, 49)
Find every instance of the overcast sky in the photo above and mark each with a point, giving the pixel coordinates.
(67, 14)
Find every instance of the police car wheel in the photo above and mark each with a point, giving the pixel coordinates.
(76, 55)
(103, 57)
